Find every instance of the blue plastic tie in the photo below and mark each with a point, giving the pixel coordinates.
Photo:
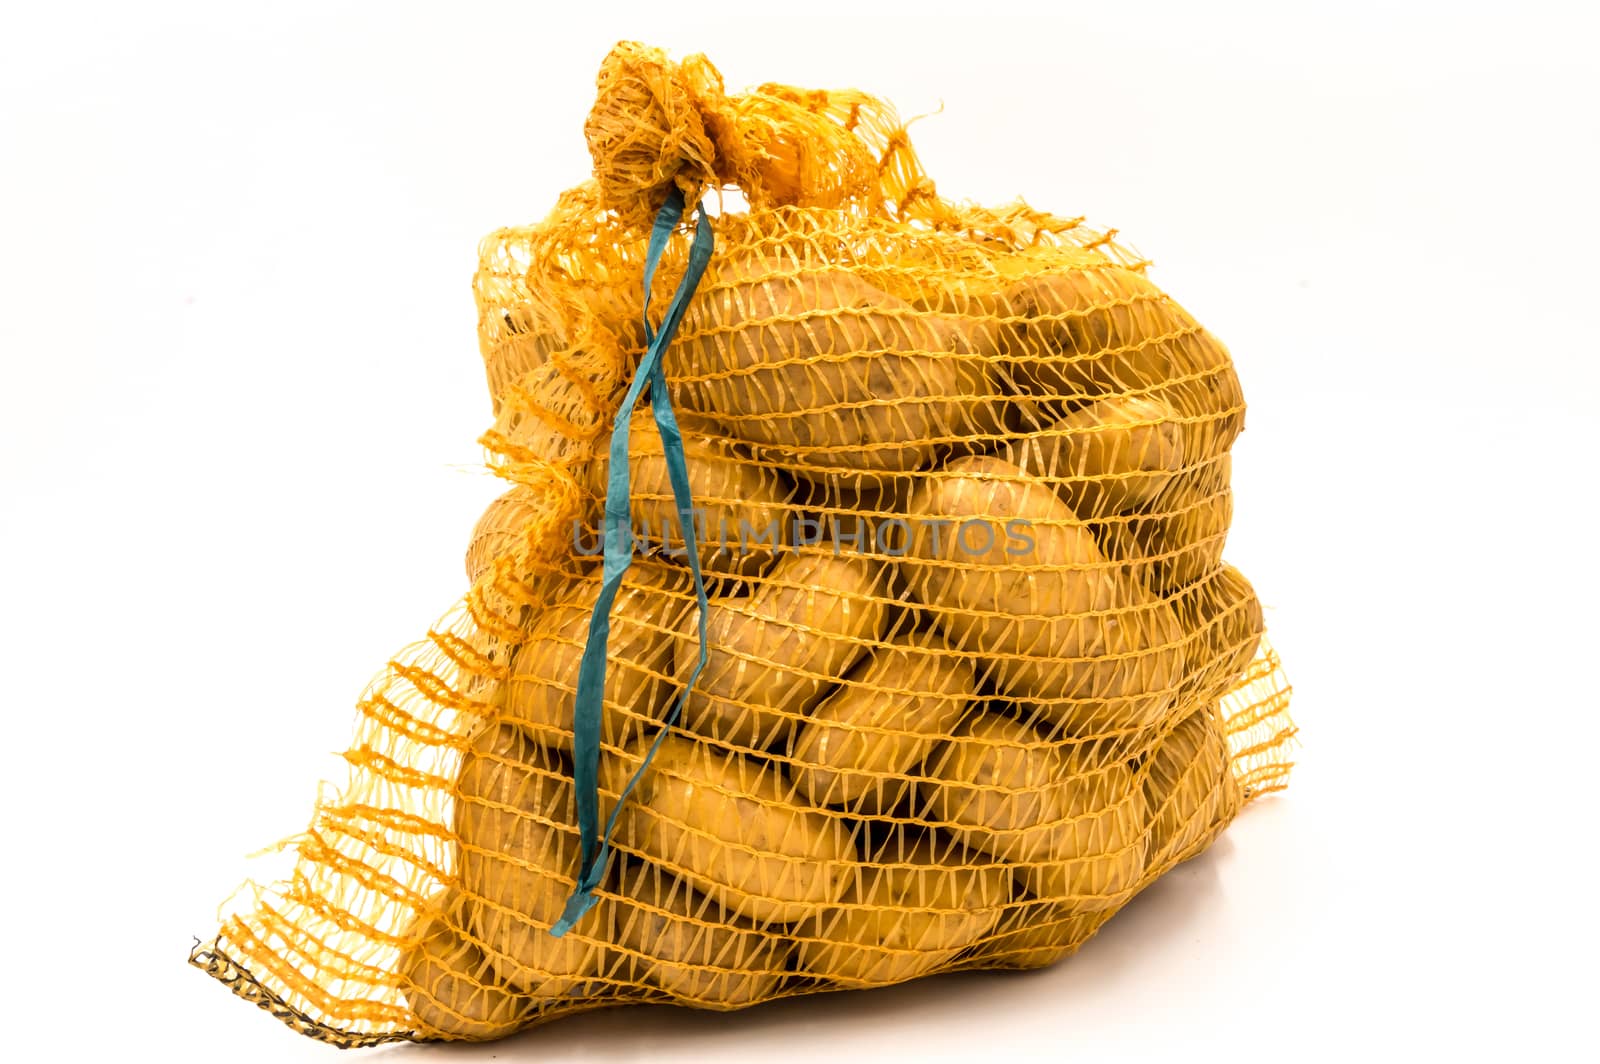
(587, 706)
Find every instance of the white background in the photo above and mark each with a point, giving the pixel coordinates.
(241, 391)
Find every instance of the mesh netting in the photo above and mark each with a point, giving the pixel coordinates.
(976, 670)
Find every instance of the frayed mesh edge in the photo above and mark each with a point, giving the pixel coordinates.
(1256, 721)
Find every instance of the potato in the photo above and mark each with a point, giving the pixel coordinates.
(915, 905)
(1113, 455)
(691, 949)
(1096, 856)
(517, 336)
(450, 988)
(1037, 934)
(738, 502)
(1107, 330)
(730, 825)
(991, 785)
(552, 416)
(1223, 618)
(862, 741)
(992, 329)
(826, 373)
(650, 603)
(1072, 821)
(1180, 540)
(516, 821)
(1025, 551)
(1093, 329)
(773, 655)
(1189, 787)
(1017, 580)
(499, 530)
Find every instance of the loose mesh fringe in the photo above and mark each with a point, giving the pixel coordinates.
(901, 759)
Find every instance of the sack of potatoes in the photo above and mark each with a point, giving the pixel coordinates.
(857, 609)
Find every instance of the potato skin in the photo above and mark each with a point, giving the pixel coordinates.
(1110, 456)
(690, 948)
(994, 566)
(1037, 934)
(1105, 329)
(517, 338)
(1180, 540)
(730, 492)
(516, 821)
(826, 373)
(772, 655)
(1223, 618)
(451, 989)
(498, 530)
(539, 694)
(731, 826)
(1098, 854)
(1055, 625)
(858, 747)
(990, 786)
(524, 429)
(914, 907)
(1072, 822)
(1189, 787)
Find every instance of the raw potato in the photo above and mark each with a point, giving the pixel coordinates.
(521, 337)
(828, 374)
(1223, 618)
(498, 531)
(1054, 624)
(1113, 455)
(1180, 541)
(731, 825)
(1105, 329)
(913, 908)
(860, 744)
(772, 656)
(737, 501)
(519, 859)
(451, 989)
(1097, 857)
(1072, 822)
(1093, 330)
(524, 429)
(1037, 934)
(990, 785)
(1189, 787)
(993, 319)
(650, 603)
(692, 950)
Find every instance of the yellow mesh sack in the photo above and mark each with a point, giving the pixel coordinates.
(934, 666)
